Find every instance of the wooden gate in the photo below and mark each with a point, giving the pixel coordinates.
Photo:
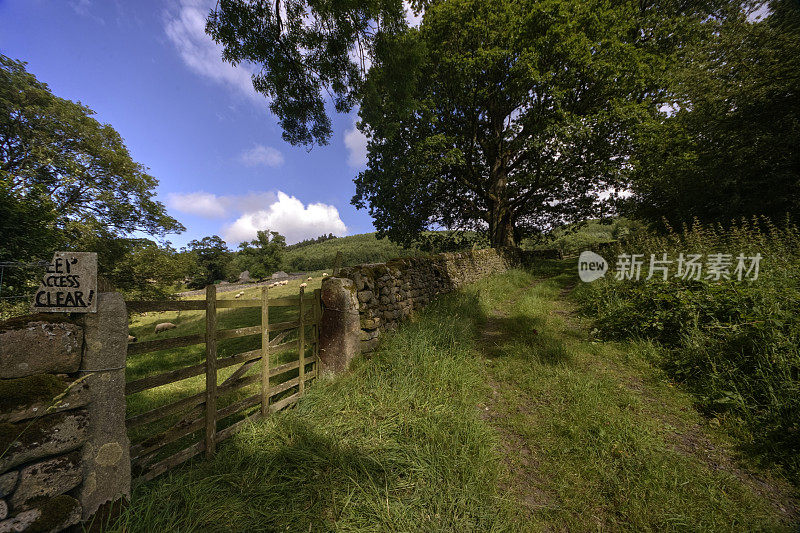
(168, 435)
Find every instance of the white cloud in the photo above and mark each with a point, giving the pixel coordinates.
(261, 155)
(289, 217)
(186, 29)
(207, 205)
(261, 211)
(356, 143)
(83, 8)
(202, 204)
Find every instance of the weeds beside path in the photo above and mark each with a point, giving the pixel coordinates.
(593, 438)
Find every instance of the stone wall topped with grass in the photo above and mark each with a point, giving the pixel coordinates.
(64, 451)
(383, 294)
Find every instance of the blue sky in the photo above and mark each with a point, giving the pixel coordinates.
(147, 68)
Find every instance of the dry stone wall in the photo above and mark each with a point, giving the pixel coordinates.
(384, 294)
(63, 445)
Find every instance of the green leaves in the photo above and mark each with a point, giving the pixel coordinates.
(306, 50)
(730, 148)
(54, 146)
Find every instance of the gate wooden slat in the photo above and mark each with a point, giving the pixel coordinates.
(199, 411)
(238, 384)
(286, 385)
(137, 306)
(280, 326)
(301, 344)
(287, 301)
(244, 357)
(236, 426)
(234, 408)
(277, 406)
(154, 444)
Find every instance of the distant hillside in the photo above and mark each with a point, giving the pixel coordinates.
(575, 238)
(356, 249)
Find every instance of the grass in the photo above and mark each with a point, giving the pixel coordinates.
(492, 410)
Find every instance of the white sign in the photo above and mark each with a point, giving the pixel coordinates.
(69, 284)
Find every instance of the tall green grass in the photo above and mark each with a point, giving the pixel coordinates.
(736, 344)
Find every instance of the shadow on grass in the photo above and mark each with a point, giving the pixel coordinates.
(523, 336)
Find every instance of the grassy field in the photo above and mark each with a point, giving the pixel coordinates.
(356, 249)
(492, 410)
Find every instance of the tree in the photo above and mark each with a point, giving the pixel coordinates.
(730, 148)
(51, 147)
(498, 115)
(139, 268)
(26, 237)
(210, 257)
(261, 256)
(513, 116)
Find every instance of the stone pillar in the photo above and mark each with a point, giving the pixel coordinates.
(339, 332)
(106, 454)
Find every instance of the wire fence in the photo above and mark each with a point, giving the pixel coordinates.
(18, 283)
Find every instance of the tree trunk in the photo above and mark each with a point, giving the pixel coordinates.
(501, 215)
(501, 225)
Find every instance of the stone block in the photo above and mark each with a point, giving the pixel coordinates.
(46, 479)
(370, 323)
(369, 345)
(50, 435)
(340, 326)
(365, 296)
(28, 397)
(106, 455)
(7, 483)
(20, 522)
(40, 347)
(53, 515)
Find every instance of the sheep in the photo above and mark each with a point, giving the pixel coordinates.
(324, 274)
(239, 294)
(131, 338)
(165, 326)
(309, 278)
(303, 285)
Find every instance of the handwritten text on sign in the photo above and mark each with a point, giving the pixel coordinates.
(69, 284)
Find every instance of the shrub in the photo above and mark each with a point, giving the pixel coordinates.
(736, 344)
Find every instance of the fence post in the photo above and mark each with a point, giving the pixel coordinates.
(337, 263)
(301, 343)
(264, 351)
(211, 370)
(317, 321)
